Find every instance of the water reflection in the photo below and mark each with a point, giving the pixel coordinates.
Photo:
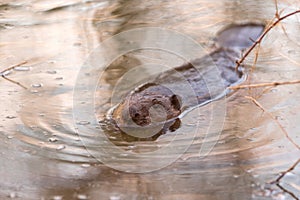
(43, 157)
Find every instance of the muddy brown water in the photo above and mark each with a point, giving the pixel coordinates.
(50, 142)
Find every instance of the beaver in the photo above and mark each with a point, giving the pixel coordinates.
(156, 103)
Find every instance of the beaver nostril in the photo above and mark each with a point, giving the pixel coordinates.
(154, 101)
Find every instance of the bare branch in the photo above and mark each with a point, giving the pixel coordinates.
(270, 27)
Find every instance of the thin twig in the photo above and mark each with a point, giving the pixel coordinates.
(277, 181)
(15, 82)
(2, 74)
(286, 191)
(276, 7)
(14, 66)
(239, 62)
(277, 122)
(287, 171)
(257, 85)
(249, 86)
(252, 68)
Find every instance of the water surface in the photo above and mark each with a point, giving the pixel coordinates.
(43, 157)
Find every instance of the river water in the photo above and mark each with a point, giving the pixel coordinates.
(52, 146)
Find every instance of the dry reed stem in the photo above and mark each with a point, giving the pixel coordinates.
(270, 84)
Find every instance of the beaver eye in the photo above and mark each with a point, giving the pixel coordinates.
(175, 101)
(136, 115)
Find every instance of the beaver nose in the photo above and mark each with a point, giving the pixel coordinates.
(139, 113)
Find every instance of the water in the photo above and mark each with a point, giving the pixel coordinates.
(43, 157)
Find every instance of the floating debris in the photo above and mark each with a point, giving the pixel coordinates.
(60, 147)
(11, 117)
(85, 165)
(57, 197)
(82, 196)
(83, 123)
(52, 139)
(52, 72)
(34, 91)
(22, 68)
(37, 85)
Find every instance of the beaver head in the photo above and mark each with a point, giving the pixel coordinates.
(149, 104)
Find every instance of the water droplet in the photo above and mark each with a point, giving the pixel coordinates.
(77, 44)
(37, 85)
(52, 139)
(12, 195)
(10, 137)
(274, 90)
(131, 147)
(9, 26)
(52, 72)
(85, 165)
(57, 197)
(82, 196)
(278, 117)
(289, 174)
(11, 117)
(6, 73)
(34, 91)
(83, 122)
(279, 196)
(60, 147)
(235, 176)
(22, 68)
(114, 198)
(267, 193)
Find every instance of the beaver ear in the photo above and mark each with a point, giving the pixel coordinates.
(239, 36)
(176, 101)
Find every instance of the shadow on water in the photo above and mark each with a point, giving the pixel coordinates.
(43, 157)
